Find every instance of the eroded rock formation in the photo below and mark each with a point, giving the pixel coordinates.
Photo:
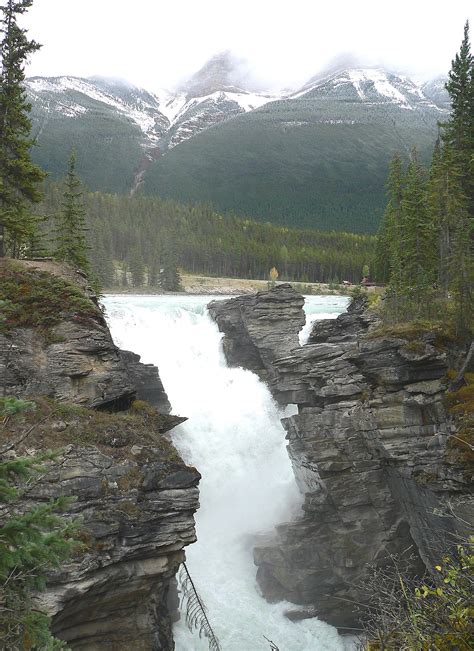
(135, 497)
(260, 328)
(372, 451)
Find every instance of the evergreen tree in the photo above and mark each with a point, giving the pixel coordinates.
(418, 241)
(459, 131)
(387, 253)
(137, 268)
(70, 238)
(124, 274)
(19, 177)
(153, 273)
(32, 541)
(428, 233)
(456, 169)
(101, 263)
(170, 280)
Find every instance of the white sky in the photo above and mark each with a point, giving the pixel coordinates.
(158, 43)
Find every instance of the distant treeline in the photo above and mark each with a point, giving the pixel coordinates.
(141, 234)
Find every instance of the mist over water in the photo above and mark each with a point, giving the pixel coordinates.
(234, 437)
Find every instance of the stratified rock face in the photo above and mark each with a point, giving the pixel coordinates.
(146, 380)
(136, 514)
(368, 448)
(135, 497)
(260, 328)
(75, 358)
(78, 362)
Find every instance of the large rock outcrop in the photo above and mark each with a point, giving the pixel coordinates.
(134, 504)
(373, 453)
(146, 381)
(134, 496)
(260, 328)
(68, 354)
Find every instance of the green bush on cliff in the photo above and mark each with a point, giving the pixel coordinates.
(38, 299)
(435, 615)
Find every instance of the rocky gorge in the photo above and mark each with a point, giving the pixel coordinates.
(376, 452)
(133, 496)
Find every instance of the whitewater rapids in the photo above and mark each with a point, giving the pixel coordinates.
(234, 437)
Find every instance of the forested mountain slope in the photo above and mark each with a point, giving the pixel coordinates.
(316, 158)
(118, 128)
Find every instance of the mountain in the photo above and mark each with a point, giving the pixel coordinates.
(317, 157)
(435, 90)
(118, 129)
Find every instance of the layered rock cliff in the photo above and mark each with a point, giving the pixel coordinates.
(374, 451)
(260, 328)
(134, 496)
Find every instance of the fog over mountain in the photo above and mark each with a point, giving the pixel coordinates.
(156, 45)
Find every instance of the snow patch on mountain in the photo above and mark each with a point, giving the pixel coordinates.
(213, 95)
(379, 80)
(139, 106)
(371, 86)
(175, 107)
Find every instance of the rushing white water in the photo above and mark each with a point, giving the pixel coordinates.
(234, 437)
(321, 307)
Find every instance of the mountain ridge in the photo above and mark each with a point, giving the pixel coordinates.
(165, 143)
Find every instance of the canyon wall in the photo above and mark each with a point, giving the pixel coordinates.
(133, 496)
(373, 447)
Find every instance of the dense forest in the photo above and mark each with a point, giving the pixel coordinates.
(132, 238)
(312, 162)
(424, 247)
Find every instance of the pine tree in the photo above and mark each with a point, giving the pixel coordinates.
(19, 177)
(101, 264)
(32, 541)
(153, 272)
(137, 268)
(388, 263)
(456, 169)
(70, 238)
(459, 131)
(418, 255)
(170, 279)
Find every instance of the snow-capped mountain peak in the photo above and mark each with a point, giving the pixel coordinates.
(371, 85)
(164, 118)
(72, 96)
(220, 90)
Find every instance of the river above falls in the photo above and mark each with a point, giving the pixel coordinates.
(234, 437)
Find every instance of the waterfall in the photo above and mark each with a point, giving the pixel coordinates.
(234, 437)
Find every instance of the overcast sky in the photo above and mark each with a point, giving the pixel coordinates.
(154, 43)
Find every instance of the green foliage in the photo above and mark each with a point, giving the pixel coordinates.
(434, 614)
(170, 280)
(70, 239)
(459, 131)
(137, 268)
(107, 145)
(10, 405)
(424, 245)
(32, 541)
(41, 300)
(19, 177)
(205, 242)
(306, 163)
